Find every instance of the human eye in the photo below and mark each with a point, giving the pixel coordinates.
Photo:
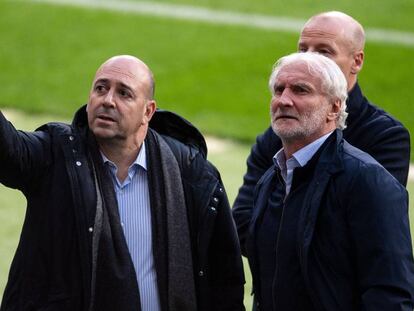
(325, 52)
(302, 49)
(278, 89)
(99, 88)
(300, 89)
(125, 93)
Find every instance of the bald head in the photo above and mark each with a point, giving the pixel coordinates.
(130, 68)
(337, 36)
(344, 25)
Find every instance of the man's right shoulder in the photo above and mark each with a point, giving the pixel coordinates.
(56, 128)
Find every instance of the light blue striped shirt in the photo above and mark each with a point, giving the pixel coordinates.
(135, 213)
(298, 159)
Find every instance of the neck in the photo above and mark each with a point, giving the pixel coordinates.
(351, 83)
(123, 155)
(290, 146)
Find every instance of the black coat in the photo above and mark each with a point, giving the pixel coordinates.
(353, 237)
(368, 128)
(51, 269)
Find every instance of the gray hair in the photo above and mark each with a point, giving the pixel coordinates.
(333, 82)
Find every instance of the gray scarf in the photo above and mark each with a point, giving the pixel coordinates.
(113, 284)
(172, 234)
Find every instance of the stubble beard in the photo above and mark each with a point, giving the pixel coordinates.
(308, 125)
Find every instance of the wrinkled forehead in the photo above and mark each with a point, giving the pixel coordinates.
(298, 72)
(123, 70)
(114, 73)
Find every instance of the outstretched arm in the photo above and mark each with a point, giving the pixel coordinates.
(22, 154)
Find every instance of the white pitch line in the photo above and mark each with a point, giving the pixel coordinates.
(193, 13)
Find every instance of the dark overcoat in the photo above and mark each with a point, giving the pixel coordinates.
(51, 269)
(353, 237)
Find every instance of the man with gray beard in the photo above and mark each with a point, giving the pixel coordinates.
(341, 38)
(329, 227)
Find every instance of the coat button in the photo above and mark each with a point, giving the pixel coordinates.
(90, 229)
(71, 138)
(201, 273)
(215, 200)
(78, 163)
(221, 189)
(212, 208)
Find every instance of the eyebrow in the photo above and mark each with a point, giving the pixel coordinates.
(105, 81)
(317, 46)
(126, 87)
(294, 83)
(102, 80)
(303, 84)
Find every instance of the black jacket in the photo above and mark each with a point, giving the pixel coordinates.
(353, 237)
(51, 269)
(368, 128)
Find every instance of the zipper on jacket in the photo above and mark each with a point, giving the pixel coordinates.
(274, 283)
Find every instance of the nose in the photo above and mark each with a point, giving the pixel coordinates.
(282, 100)
(108, 100)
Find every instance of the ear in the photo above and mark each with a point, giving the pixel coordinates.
(333, 114)
(358, 61)
(150, 108)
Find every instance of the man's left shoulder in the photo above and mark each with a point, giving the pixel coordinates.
(362, 165)
(377, 116)
(191, 159)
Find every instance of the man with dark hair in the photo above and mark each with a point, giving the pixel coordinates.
(124, 211)
(329, 227)
(340, 38)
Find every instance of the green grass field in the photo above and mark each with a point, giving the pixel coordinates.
(384, 14)
(214, 75)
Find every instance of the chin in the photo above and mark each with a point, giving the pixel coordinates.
(288, 134)
(102, 133)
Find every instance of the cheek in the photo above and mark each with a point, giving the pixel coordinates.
(273, 105)
(344, 64)
(92, 103)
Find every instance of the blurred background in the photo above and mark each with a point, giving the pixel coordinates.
(211, 60)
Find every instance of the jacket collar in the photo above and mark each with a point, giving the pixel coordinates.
(163, 122)
(330, 159)
(354, 101)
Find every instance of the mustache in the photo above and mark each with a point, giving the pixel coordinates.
(284, 115)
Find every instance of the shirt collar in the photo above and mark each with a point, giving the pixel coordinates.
(302, 156)
(141, 159)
